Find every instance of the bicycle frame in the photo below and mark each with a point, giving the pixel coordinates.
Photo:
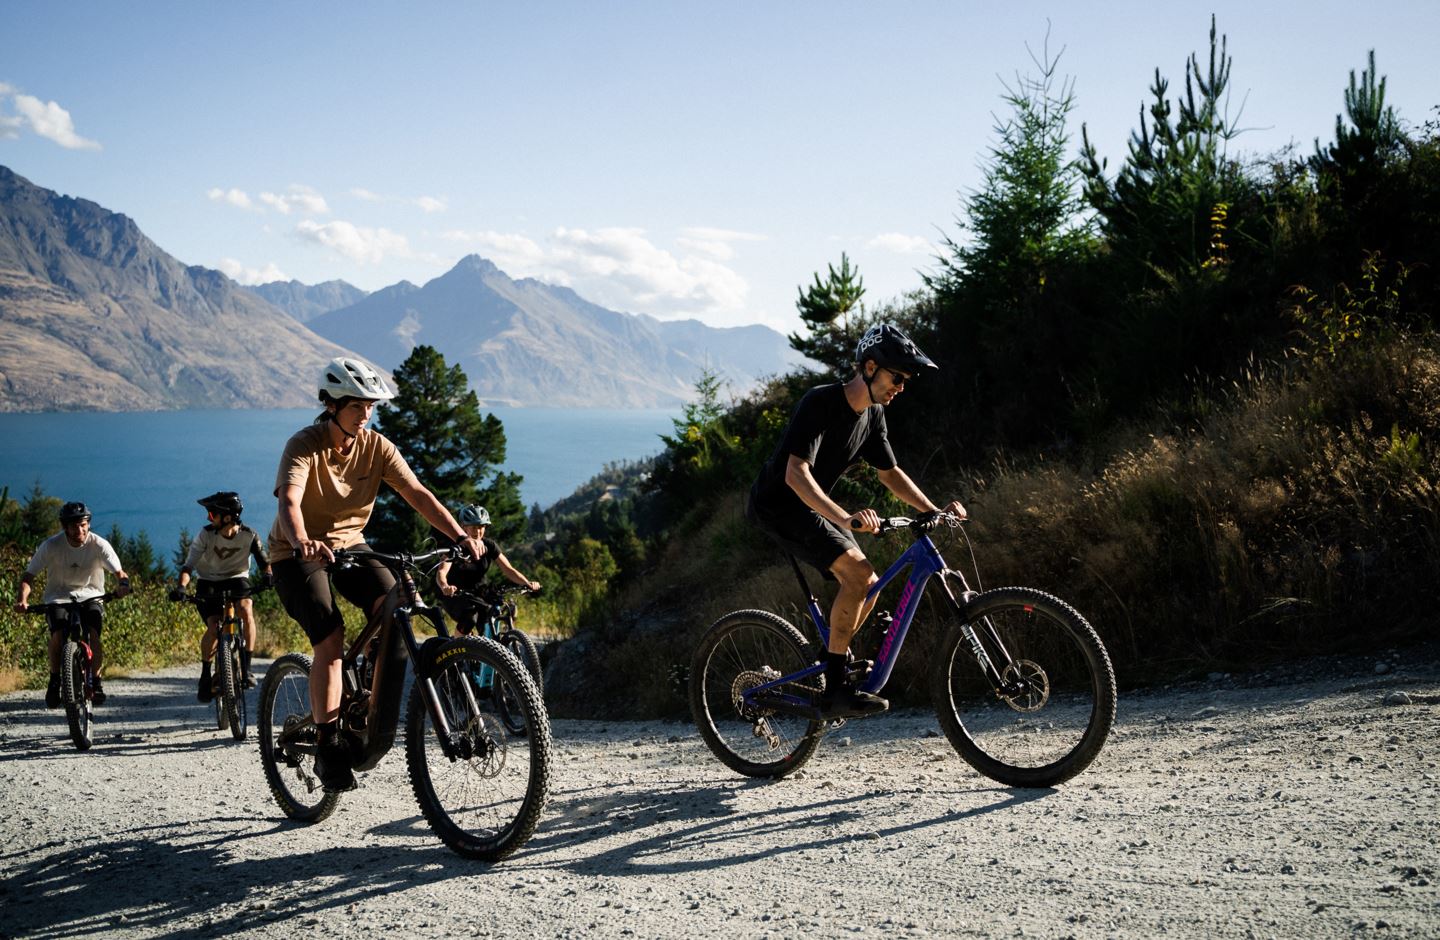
(381, 697)
(924, 561)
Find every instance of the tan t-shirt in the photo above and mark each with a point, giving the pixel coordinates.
(339, 489)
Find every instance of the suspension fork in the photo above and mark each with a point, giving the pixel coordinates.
(973, 636)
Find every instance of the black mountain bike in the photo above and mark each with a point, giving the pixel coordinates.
(495, 608)
(229, 685)
(480, 786)
(77, 678)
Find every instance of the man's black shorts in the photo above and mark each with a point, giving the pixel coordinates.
(90, 616)
(808, 536)
(304, 590)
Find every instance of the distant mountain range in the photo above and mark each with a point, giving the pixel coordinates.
(95, 317)
(529, 343)
(306, 301)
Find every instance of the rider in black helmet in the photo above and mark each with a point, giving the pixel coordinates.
(833, 428)
(74, 562)
(220, 558)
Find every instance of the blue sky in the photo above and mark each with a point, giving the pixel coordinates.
(677, 159)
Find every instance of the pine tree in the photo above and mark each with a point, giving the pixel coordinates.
(436, 422)
(835, 316)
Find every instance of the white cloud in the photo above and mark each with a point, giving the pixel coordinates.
(365, 245)
(365, 194)
(902, 244)
(513, 253)
(623, 269)
(430, 204)
(297, 198)
(233, 196)
(251, 276)
(715, 242)
(46, 118)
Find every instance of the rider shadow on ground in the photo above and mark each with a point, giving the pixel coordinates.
(151, 880)
(691, 826)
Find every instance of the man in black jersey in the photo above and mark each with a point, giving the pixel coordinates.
(833, 428)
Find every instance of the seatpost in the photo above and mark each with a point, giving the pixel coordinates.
(800, 576)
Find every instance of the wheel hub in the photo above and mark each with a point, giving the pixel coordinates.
(744, 682)
(1027, 686)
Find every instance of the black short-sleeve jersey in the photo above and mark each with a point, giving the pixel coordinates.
(469, 575)
(826, 433)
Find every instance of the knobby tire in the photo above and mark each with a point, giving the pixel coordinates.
(486, 802)
(743, 649)
(1053, 730)
(72, 693)
(290, 775)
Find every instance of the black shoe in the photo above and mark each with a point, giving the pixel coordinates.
(205, 692)
(845, 702)
(332, 766)
(52, 691)
(248, 681)
(97, 692)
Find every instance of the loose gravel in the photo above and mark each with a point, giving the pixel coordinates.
(1302, 802)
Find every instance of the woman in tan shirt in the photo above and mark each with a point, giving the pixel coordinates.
(329, 477)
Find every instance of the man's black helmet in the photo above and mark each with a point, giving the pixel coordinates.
(890, 347)
(223, 502)
(73, 512)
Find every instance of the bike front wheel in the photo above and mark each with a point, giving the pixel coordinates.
(1045, 714)
(519, 645)
(73, 689)
(740, 651)
(287, 741)
(232, 688)
(481, 789)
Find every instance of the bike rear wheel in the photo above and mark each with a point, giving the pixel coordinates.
(484, 800)
(740, 651)
(290, 764)
(1057, 702)
(523, 649)
(73, 692)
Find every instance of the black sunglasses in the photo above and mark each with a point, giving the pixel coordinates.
(897, 379)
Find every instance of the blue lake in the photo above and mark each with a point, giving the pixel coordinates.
(143, 471)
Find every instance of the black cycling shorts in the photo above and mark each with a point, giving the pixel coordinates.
(305, 591)
(808, 536)
(90, 616)
(207, 595)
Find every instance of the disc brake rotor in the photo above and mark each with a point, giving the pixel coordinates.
(1031, 685)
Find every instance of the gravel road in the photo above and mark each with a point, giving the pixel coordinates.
(1302, 802)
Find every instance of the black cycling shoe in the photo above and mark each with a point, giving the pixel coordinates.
(52, 691)
(845, 702)
(332, 766)
(97, 692)
(206, 691)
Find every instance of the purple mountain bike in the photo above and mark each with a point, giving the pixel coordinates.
(1021, 682)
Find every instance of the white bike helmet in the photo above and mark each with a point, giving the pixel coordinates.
(344, 377)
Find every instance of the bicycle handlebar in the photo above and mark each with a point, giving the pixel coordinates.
(347, 557)
(43, 607)
(925, 522)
